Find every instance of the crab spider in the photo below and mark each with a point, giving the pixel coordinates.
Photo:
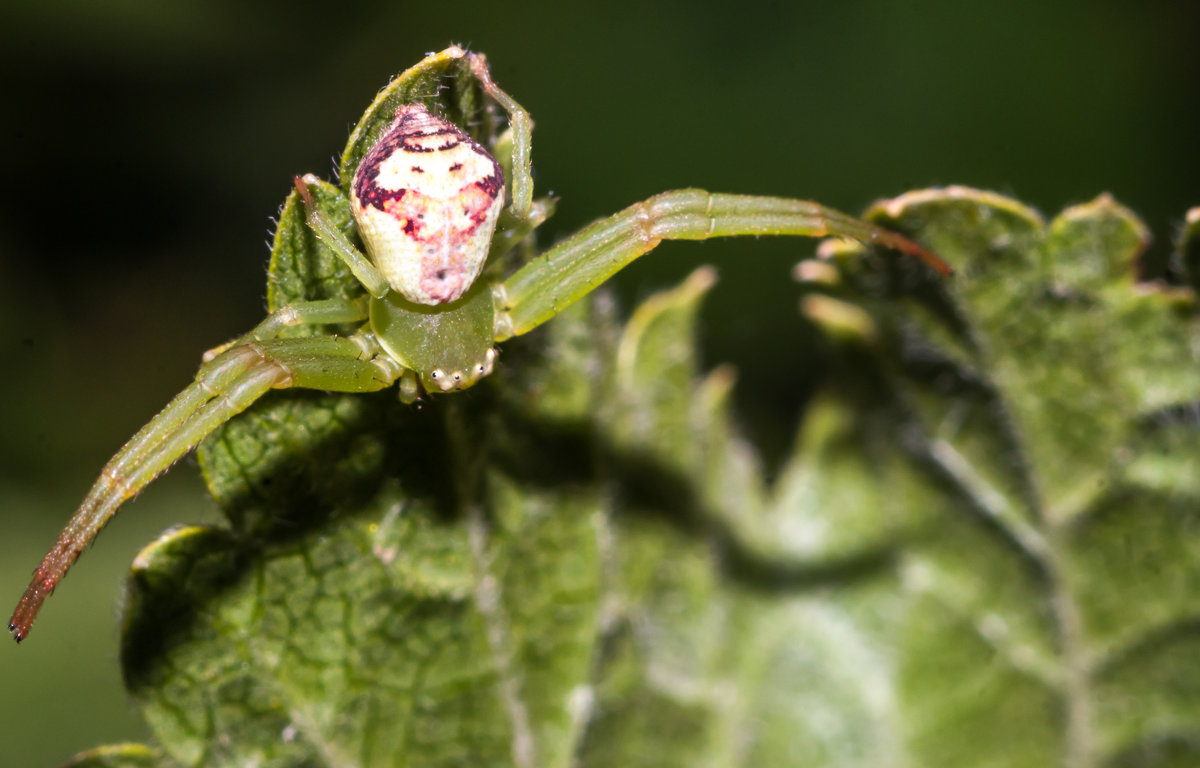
(428, 204)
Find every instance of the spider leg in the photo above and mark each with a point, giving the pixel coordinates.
(511, 229)
(359, 265)
(320, 312)
(570, 270)
(522, 136)
(224, 387)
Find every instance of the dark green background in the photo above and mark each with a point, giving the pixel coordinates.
(147, 144)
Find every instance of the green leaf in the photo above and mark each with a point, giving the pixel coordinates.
(302, 267)
(1052, 594)
(1188, 253)
(443, 83)
(384, 590)
(982, 550)
(118, 756)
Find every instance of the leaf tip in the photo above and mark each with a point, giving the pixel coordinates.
(910, 203)
(1187, 250)
(839, 318)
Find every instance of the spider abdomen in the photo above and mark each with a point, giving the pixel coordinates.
(426, 199)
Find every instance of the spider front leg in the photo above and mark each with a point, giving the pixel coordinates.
(519, 161)
(359, 265)
(572, 269)
(224, 387)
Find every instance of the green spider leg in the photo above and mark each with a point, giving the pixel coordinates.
(521, 125)
(228, 383)
(570, 270)
(360, 266)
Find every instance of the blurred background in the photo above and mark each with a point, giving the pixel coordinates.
(147, 146)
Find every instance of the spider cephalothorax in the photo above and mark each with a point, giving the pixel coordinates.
(427, 202)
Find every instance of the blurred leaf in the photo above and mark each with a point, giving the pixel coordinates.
(118, 756)
(1188, 253)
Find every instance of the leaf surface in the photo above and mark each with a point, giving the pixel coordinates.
(971, 538)
(1054, 397)
(982, 550)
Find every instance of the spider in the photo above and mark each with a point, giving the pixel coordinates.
(427, 202)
